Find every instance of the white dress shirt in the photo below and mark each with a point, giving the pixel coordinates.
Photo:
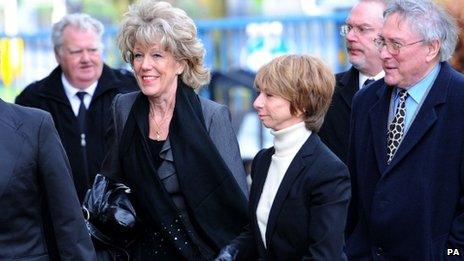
(72, 97)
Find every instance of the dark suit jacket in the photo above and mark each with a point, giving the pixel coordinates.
(412, 209)
(48, 94)
(335, 130)
(308, 215)
(34, 171)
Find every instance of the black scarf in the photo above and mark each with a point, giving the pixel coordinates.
(213, 197)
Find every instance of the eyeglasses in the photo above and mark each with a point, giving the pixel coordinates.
(360, 30)
(392, 47)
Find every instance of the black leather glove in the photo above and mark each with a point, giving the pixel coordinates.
(228, 253)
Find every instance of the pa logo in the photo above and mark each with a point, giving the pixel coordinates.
(452, 252)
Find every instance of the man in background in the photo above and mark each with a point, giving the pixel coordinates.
(78, 93)
(362, 27)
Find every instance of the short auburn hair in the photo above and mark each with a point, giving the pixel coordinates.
(305, 81)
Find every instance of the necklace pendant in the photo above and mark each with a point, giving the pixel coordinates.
(158, 136)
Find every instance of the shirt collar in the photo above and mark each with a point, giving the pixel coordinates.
(363, 77)
(71, 90)
(419, 90)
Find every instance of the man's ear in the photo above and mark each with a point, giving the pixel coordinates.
(433, 51)
(57, 56)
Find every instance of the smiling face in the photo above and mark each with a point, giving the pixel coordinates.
(274, 111)
(415, 58)
(366, 22)
(80, 57)
(156, 70)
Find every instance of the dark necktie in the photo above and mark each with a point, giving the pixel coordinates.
(81, 116)
(367, 82)
(396, 127)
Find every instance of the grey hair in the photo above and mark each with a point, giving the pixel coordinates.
(152, 21)
(78, 20)
(430, 20)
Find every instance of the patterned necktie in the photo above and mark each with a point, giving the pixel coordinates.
(396, 127)
(367, 82)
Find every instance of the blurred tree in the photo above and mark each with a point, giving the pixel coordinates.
(74, 6)
(109, 11)
(201, 9)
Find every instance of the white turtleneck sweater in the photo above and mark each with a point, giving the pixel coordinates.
(287, 142)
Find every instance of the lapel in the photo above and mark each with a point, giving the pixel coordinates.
(349, 82)
(55, 101)
(11, 143)
(261, 165)
(378, 116)
(426, 116)
(300, 161)
(52, 88)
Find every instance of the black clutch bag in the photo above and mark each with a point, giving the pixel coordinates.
(109, 214)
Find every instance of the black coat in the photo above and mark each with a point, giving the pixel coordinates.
(308, 215)
(36, 191)
(48, 94)
(335, 130)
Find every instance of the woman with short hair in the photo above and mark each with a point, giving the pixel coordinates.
(300, 190)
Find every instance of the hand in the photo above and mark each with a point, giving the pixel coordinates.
(228, 253)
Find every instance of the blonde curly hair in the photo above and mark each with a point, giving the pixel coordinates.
(150, 21)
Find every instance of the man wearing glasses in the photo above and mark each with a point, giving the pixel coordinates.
(406, 153)
(362, 27)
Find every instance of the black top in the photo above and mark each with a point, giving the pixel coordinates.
(155, 147)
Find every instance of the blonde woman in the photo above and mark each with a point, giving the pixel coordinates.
(175, 150)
